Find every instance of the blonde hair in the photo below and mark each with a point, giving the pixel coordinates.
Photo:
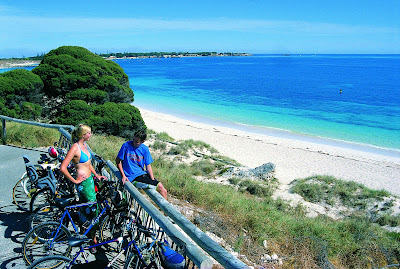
(79, 131)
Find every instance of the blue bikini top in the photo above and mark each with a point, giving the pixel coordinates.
(84, 157)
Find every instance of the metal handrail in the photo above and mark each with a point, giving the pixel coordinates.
(194, 253)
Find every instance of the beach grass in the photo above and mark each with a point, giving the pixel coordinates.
(30, 136)
(249, 219)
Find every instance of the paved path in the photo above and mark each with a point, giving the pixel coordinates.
(13, 225)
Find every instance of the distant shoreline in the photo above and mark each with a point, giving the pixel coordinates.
(172, 55)
(4, 64)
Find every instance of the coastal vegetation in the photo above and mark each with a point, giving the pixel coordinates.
(72, 85)
(253, 223)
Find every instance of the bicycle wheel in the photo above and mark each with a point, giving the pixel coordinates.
(112, 227)
(40, 199)
(45, 214)
(46, 239)
(20, 197)
(134, 261)
(51, 262)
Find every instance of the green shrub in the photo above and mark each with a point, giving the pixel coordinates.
(20, 94)
(159, 145)
(198, 144)
(179, 150)
(203, 167)
(164, 136)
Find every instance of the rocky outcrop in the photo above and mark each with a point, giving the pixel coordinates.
(265, 172)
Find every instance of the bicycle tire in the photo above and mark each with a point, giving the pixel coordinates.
(20, 198)
(40, 198)
(134, 261)
(36, 242)
(51, 262)
(44, 214)
(112, 227)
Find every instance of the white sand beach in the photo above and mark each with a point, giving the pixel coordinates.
(293, 158)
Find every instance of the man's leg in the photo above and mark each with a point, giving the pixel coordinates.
(162, 190)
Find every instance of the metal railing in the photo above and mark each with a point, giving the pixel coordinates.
(154, 216)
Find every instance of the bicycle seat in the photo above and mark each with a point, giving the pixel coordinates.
(64, 202)
(77, 241)
(48, 181)
(30, 170)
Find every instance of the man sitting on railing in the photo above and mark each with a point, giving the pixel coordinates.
(134, 163)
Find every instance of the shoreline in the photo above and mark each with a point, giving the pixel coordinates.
(275, 132)
(293, 158)
(4, 64)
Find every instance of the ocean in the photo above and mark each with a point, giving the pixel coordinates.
(346, 100)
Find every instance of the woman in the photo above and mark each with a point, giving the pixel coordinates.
(85, 173)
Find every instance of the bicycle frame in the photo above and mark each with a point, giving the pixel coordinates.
(67, 214)
(82, 250)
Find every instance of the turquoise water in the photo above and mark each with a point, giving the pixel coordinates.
(297, 95)
(288, 96)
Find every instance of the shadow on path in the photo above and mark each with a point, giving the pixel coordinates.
(15, 226)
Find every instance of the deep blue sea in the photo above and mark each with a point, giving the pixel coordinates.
(354, 98)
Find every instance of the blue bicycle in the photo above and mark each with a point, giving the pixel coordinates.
(50, 238)
(152, 254)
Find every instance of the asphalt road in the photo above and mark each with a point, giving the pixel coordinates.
(13, 225)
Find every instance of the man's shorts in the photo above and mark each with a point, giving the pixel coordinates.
(145, 182)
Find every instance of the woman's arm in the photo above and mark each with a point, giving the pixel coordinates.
(93, 171)
(68, 158)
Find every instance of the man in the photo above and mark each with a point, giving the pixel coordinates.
(134, 163)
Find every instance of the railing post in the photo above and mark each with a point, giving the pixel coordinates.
(4, 134)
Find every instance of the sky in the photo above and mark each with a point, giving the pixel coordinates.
(30, 28)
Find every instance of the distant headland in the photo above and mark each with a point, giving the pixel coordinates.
(135, 55)
(34, 61)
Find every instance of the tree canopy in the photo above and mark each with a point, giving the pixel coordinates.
(72, 85)
(20, 94)
(69, 68)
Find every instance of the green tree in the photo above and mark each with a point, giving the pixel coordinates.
(116, 119)
(68, 68)
(76, 111)
(89, 95)
(20, 89)
(70, 86)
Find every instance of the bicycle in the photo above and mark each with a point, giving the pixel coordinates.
(51, 207)
(39, 180)
(65, 188)
(46, 238)
(145, 256)
(154, 253)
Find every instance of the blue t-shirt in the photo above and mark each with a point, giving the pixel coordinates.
(134, 159)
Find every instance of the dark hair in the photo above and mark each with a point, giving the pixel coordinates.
(141, 133)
